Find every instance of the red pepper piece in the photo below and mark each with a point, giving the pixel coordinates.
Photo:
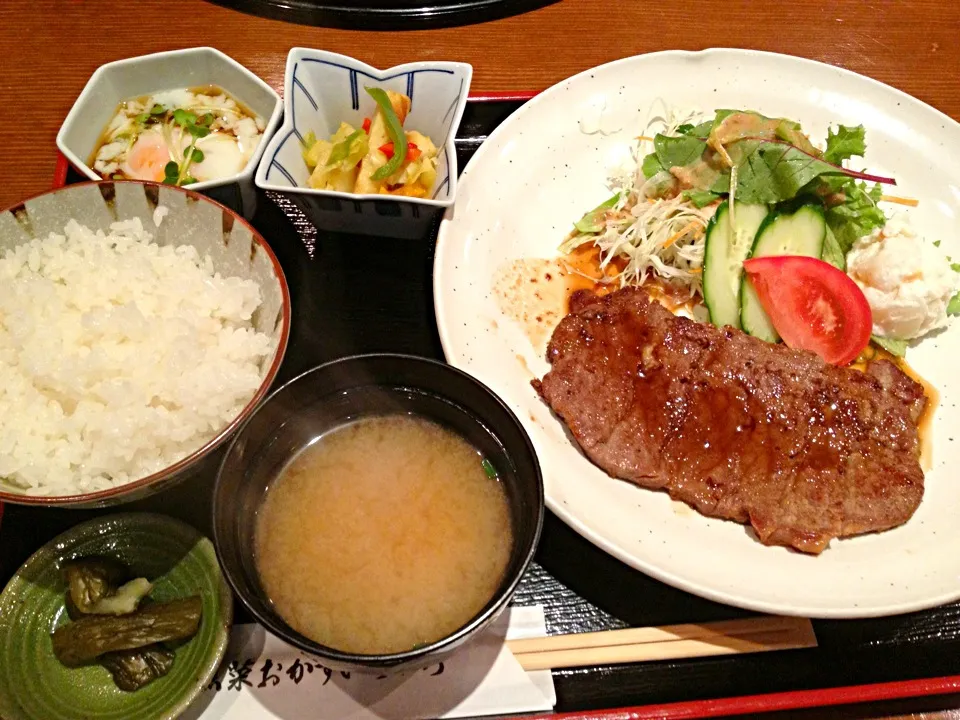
(366, 125)
(413, 152)
(387, 149)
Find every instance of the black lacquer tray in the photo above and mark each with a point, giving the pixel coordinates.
(384, 14)
(358, 294)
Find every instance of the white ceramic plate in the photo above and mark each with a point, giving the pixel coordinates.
(538, 173)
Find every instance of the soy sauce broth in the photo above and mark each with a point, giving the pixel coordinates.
(142, 136)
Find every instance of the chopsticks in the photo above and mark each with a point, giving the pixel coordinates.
(668, 642)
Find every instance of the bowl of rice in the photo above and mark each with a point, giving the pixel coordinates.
(140, 325)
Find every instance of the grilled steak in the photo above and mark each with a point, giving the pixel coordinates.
(736, 427)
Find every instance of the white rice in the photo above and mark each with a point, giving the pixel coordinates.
(118, 357)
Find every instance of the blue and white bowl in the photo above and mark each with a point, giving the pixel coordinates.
(323, 89)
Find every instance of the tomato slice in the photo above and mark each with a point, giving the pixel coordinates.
(813, 305)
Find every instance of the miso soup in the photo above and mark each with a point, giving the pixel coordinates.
(383, 535)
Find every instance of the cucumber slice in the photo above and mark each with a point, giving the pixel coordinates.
(726, 247)
(799, 233)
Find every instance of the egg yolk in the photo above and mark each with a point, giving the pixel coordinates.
(147, 158)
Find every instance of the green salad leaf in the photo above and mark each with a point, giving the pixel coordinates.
(732, 125)
(768, 171)
(898, 348)
(592, 222)
(723, 114)
(651, 165)
(701, 198)
(679, 150)
(700, 131)
(775, 163)
(771, 171)
(953, 307)
(845, 143)
(857, 215)
(832, 252)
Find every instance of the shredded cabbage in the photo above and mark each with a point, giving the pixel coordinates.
(420, 174)
(333, 162)
(654, 236)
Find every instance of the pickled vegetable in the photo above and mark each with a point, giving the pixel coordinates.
(91, 636)
(92, 578)
(125, 600)
(129, 644)
(133, 669)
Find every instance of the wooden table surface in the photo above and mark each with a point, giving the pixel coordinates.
(49, 48)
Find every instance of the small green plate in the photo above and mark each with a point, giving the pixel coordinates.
(173, 555)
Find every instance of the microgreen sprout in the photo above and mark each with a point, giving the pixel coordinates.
(153, 113)
(176, 173)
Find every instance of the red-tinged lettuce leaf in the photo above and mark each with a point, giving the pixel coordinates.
(770, 171)
(776, 165)
(730, 126)
(790, 132)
